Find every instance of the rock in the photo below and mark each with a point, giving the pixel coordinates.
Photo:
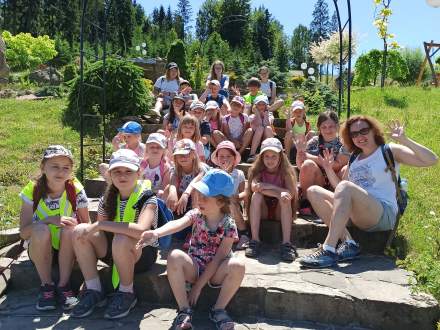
(6, 274)
(7, 93)
(45, 76)
(9, 236)
(4, 68)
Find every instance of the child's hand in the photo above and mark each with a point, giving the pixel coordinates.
(235, 90)
(258, 187)
(87, 230)
(300, 143)
(171, 202)
(193, 295)
(327, 161)
(147, 237)
(182, 203)
(68, 221)
(397, 131)
(285, 196)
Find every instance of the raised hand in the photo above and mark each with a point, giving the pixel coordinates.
(397, 131)
(327, 160)
(236, 90)
(300, 143)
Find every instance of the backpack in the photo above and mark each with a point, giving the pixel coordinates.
(164, 215)
(240, 115)
(401, 194)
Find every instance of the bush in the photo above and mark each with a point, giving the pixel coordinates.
(177, 53)
(70, 72)
(296, 81)
(54, 91)
(414, 58)
(127, 94)
(276, 75)
(318, 96)
(64, 54)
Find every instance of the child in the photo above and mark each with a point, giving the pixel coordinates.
(172, 119)
(187, 168)
(52, 206)
(209, 259)
(261, 124)
(212, 93)
(127, 209)
(297, 127)
(189, 129)
(218, 73)
(214, 118)
(165, 88)
(272, 195)
(236, 126)
(155, 166)
(253, 85)
(185, 90)
(269, 88)
(198, 110)
(227, 158)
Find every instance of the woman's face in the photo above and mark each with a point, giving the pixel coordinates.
(188, 130)
(264, 74)
(123, 178)
(328, 130)
(173, 73)
(362, 135)
(225, 159)
(57, 170)
(271, 159)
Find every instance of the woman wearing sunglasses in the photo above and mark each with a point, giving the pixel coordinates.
(367, 193)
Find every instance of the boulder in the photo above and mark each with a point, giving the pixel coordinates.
(46, 76)
(4, 68)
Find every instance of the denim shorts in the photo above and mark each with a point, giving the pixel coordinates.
(386, 220)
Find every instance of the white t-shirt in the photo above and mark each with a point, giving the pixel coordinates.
(238, 177)
(265, 88)
(170, 86)
(236, 126)
(369, 173)
(154, 175)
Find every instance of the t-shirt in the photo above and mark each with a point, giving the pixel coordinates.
(186, 179)
(165, 85)
(219, 99)
(54, 204)
(265, 88)
(238, 177)
(140, 149)
(314, 148)
(299, 130)
(249, 99)
(235, 124)
(205, 242)
(153, 174)
(205, 128)
(175, 123)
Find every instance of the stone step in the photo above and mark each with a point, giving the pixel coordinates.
(8, 236)
(370, 292)
(95, 188)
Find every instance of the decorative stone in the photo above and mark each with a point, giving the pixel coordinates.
(4, 68)
(46, 76)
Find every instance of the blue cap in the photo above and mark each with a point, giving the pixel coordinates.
(215, 182)
(131, 127)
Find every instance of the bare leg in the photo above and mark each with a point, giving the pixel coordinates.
(217, 137)
(229, 274)
(268, 132)
(40, 251)
(247, 138)
(258, 209)
(284, 210)
(237, 215)
(258, 134)
(66, 255)
(158, 106)
(125, 255)
(180, 269)
(310, 175)
(276, 105)
(288, 138)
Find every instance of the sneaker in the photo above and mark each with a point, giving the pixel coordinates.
(243, 242)
(120, 305)
(251, 159)
(348, 251)
(288, 252)
(46, 298)
(88, 300)
(66, 297)
(319, 259)
(253, 249)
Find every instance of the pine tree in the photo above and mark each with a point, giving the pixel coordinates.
(184, 10)
(282, 54)
(177, 53)
(300, 44)
(262, 34)
(207, 19)
(334, 26)
(320, 25)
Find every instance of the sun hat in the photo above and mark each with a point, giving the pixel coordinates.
(183, 147)
(226, 145)
(124, 158)
(214, 82)
(271, 144)
(157, 138)
(261, 98)
(211, 105)
(131, 127)
(57, 150)
(238, 99)
(215, 182)
(197, 105)
(297, 105)
(172, 65)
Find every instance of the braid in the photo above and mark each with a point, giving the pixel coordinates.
(110, 201)
(40, 190)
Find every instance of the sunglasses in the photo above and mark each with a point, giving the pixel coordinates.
(363, 131)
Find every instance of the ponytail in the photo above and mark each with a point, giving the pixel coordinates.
(111, 201)
(40, 190)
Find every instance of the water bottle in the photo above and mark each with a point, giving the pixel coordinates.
(404, 184)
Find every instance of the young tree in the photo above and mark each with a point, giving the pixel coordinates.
(184, 10)
(320, 25)
(208, 18)
(299, 46)
(282, 54)
(177, 53)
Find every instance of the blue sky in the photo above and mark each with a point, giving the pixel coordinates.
(413, 21)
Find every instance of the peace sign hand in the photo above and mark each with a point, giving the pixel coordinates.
(236, 90)
(397, 131)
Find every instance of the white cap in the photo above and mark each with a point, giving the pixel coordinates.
(157, 138)
(271, 144)
(124, 158)
(297, 105)
(183, 147)
(261, 98)
(211, 105)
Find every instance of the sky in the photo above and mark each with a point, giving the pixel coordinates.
(413, 21)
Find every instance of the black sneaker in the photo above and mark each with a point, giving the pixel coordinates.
(46, 298)
(66, 297)
(253, 249)
(88, 300)
(288, 252)
(120, 305)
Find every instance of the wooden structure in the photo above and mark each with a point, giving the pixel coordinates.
(428, 46)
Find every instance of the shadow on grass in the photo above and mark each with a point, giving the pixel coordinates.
(392, 101)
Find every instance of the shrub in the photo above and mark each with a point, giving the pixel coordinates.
(177, 53)
(54, 91)
(64, 54)
(318, 96)
(296, 81)
(70, 72)
(127, 94)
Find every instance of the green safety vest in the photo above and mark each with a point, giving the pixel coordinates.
(42, 211)
(129, 215)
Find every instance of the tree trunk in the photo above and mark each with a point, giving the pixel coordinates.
(384, 64)
(326, 75)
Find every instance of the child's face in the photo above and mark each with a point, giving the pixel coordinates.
(178, 104)
(298, 114)
(218, 69)
(214, 89)
(185, 160)
(225, 159)
(183, 86)
(235, 109)
(57, 170)
(212, 113)
(154, 150)
(208, 205)
(124, 178)
(328, 130)
(253, 89)
(188, 130)
(271, 159)
(132, 140)
(261, 106)
(198, 113)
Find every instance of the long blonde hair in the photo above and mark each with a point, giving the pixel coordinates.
(189, 119)
(195, 170)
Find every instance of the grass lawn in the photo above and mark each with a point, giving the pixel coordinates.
(27, 127)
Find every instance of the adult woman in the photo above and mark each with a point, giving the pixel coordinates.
(367, 185)
(166, 87)
(218, 73)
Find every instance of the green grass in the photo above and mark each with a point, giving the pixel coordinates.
(27, 127)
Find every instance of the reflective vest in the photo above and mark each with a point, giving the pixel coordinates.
(129, 215)
(42, 211)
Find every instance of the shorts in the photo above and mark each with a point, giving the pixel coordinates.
(145, 262)
(386, 221)
(271, 203)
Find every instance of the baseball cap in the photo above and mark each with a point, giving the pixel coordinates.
(261, 98)
(131, 127)
(184, 81)
(211, 105)
(158, 139)
(297, 105)
(124, 158)
(57, 150)
(238, 99)
(197, 105)
(271, 144)
(214, 82)
(179, 97)
(215, 182)
(226, 145)
(183, 147)
(172, 65)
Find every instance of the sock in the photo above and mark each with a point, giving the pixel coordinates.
(350, 241)
(329, 248)
(94, 284)
(126, 288)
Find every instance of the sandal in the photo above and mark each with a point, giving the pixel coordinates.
(221, 319)
(183, 319)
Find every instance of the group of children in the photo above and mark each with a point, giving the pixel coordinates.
(190, 164)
